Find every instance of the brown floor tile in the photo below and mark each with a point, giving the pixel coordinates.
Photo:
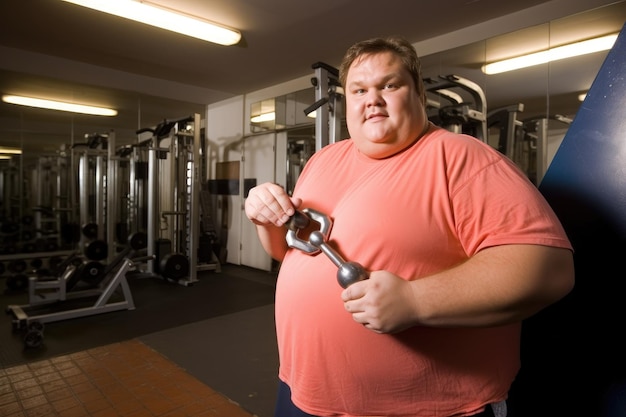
(126, 379)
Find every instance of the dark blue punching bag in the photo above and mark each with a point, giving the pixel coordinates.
(574, 352)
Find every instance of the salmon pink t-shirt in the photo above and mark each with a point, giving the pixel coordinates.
(418, 212)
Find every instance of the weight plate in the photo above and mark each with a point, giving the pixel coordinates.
(91, 272)
(33, 339)
(18, 266)
(17, 282)
(174, 266)
(90, 230)
(96, 250)
(138, 240)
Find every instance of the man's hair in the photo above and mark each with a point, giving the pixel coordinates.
(394, 44)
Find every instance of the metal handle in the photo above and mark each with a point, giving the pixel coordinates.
(348, 272)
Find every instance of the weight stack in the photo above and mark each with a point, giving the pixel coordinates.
(205, 248)
(162, 248)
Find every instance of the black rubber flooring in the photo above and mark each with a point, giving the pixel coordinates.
(159, 305)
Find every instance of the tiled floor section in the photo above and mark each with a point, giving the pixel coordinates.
(123, 379)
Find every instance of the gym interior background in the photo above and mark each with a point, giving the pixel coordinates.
(126, 234)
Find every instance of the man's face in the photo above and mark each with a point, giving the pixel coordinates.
(384, 112)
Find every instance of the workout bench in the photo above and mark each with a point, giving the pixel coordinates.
(49, 300)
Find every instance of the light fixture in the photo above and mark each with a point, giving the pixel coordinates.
(581, 96)
(58, 105)
(12, 151)
(164, 18)
(553, 54)
(263, 117)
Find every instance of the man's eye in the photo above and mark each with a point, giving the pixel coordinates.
(389, 86)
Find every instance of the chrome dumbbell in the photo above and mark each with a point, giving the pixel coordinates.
(301, 220)
(348, 272)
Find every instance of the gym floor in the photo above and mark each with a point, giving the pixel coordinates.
(207, 349)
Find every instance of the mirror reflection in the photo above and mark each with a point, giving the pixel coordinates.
(523, 113)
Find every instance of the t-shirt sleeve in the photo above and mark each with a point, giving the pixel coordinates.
(498, 205)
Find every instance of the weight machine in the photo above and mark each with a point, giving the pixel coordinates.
(530, 143)
(506, 129)
(174, 191)
(36, 243)
(542, 137)
(329, 97)
(47, 192)
(135, 203)
(457, 104)
(328, 109)
(96, 195)
(81, 285)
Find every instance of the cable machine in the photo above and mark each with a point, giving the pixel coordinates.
(457, 104)
(542, 137)
(328, 96)
(92, 280)
(174, 189)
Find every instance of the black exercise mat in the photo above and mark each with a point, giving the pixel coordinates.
(159, 305)
(235, 354)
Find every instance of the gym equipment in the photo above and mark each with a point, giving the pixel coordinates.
(460, 105)
(90, 230)
(19, 265)
(348, 272)
(17, 282)
(508, 125)
(329, 93)
(300, 221)
(97, 195)
(541, 138)
(300, 148)
(91, 272)
(208, 241)
(173, 226)
(33, 336)
(48, 205)
(96, 250)
(51, 301)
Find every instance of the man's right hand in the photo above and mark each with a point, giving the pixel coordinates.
(269, 203)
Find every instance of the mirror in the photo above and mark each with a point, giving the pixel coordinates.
(543, 98)
(281, 112)
(524, 113)
(38, 187)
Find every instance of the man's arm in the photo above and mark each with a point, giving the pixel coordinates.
(499, 285)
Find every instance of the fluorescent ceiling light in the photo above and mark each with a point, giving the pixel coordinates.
(13, 151)
(581, 96)
(173, 20)
(58, 105)
(263, 117)
(553, 54)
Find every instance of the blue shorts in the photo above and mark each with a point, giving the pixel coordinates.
(286, 408)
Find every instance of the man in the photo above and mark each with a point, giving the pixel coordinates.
(460, 247)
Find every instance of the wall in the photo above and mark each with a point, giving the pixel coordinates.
(227, 133)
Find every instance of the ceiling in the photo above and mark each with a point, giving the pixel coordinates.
(50, 47)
